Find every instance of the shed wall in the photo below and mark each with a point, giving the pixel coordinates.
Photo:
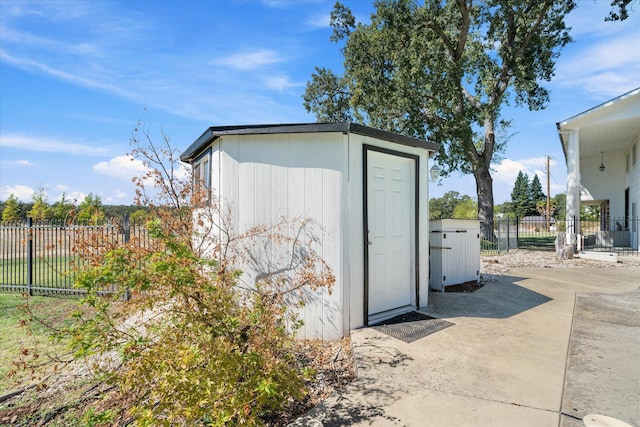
(264, 178)
(261, 178)
(356, 223)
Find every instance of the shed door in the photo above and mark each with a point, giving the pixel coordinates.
(390, 218)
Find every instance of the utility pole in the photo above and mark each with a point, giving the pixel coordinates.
(548, 198)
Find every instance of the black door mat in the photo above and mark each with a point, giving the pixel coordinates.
(411, 326)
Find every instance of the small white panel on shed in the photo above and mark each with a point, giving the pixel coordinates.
(454, 252)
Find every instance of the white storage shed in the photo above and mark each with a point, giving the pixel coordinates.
(455, 252)
(366, 188)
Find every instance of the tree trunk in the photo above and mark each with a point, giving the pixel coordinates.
(484, 189)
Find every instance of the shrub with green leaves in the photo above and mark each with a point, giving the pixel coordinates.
(181, 336)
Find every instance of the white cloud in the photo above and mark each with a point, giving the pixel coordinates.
(23, 163)
(48, 144)
(61, 187)
(319, 21)
(507, 171)
(76, 197)
(22, 192)
(124, 167)
(280, 83)
(505, 174)
(116, 198)
(91, 80)
(603, 60)
(250, 60)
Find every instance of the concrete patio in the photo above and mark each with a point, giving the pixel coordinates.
(540, 347)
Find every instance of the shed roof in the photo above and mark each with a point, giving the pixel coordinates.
(215, 132)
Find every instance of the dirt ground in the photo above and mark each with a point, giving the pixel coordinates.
(501, 264)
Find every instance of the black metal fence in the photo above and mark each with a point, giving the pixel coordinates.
(618, 235)
(40, 257)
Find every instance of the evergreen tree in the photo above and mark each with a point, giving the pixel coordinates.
(62, 208)
(537, 195)
(40, 209)
(521, 196)
(91, 209)
(11, 211)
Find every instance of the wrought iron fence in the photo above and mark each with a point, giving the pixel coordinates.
(614, 234)
(499, 236)
(40, 257)
(618, 235)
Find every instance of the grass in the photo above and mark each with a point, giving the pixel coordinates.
(50, 271)
(19, 334)
(538, 241)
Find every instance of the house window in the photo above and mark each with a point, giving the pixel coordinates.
(628, 162)
(202, 175)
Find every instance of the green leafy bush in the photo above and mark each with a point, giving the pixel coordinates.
(181, 335)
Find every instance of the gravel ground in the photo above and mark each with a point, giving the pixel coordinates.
(494, 265)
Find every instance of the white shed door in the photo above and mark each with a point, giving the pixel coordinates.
(390, 205)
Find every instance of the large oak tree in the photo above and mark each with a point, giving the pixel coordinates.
(442, 70)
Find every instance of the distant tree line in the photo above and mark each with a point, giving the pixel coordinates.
(89, 210)
(527, 199)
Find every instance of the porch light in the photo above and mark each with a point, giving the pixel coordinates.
(434, 173)
(602, 162)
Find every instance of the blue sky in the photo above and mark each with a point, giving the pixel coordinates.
(75, 77)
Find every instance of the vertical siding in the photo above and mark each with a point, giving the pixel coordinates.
(262, 178)
(268, 177)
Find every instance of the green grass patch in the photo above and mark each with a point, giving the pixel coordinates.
(18, 332)
(543, 240)
(53, 272)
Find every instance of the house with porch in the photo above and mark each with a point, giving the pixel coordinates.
(602, 156)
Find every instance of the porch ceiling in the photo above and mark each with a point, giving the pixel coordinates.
(609, 127)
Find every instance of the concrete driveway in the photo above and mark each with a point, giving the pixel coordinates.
(540, 347)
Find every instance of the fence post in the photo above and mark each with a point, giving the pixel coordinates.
(508, 233)
(126, 229)
(29, 256)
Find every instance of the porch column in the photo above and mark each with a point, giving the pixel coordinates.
(573, 190)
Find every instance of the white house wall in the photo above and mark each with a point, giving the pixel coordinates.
(632, 182)
(356, 223)
(263, 178)
(607, 185)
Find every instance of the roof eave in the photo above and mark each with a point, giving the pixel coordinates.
(212, 133)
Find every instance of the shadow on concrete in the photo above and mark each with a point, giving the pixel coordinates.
(363, 401)
(500, 299)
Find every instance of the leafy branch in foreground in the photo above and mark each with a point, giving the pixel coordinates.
(194, 344)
